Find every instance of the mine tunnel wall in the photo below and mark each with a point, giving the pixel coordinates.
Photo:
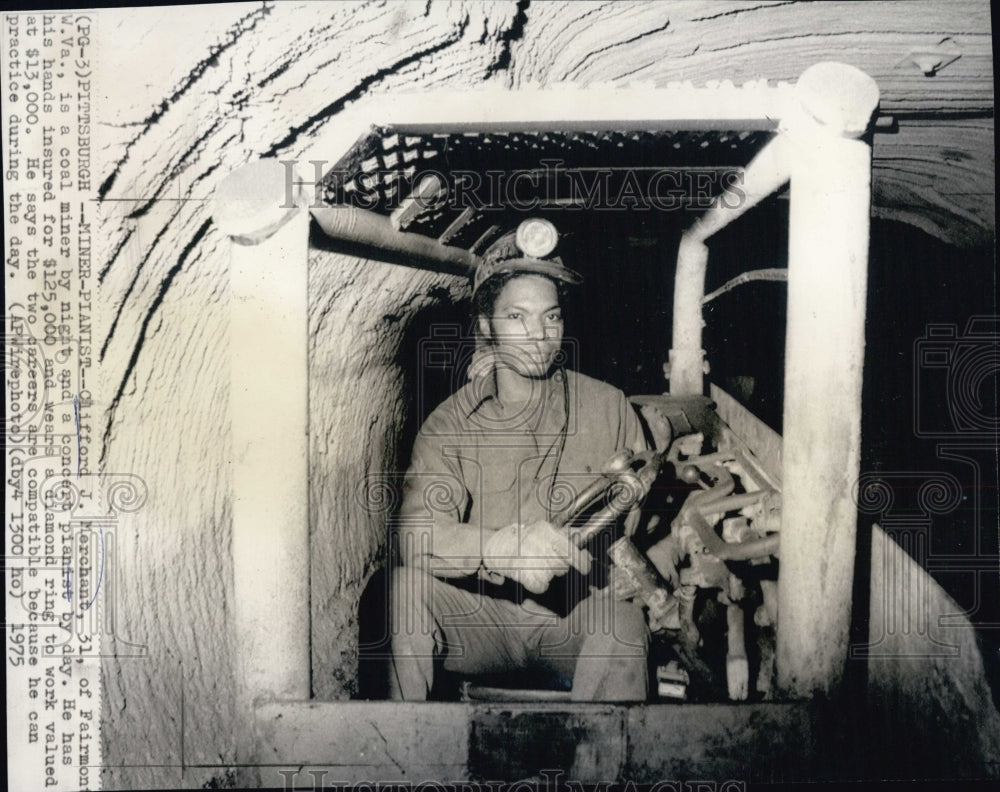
(364, 393)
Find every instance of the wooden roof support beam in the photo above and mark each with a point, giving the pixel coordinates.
(268, 275)
(829, 221)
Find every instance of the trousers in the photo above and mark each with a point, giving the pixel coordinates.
(601, 644)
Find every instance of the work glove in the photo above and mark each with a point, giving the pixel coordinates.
(534, 554)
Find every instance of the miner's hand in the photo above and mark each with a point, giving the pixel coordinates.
(534, 554)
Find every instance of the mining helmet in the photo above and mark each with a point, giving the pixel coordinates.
(528, 249)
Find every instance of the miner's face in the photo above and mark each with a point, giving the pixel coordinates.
(526, 326)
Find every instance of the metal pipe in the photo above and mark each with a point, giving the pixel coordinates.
(686, 355)
(358, 226)
(765, 174)
(734, 502)
(728, 551)
(768, 274)
(626, 478)
(623, 500)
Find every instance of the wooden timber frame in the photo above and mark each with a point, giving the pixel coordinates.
(819, 148)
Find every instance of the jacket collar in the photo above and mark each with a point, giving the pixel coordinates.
(482, 386)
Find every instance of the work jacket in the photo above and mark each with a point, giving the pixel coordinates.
(480, 466)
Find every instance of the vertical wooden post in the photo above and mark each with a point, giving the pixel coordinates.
(824, 358)
(269, 233)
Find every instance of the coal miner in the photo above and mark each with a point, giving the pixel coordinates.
(487, 585)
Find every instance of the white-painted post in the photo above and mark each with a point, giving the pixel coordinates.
(687, 358)
(824, 358)
(268, 405)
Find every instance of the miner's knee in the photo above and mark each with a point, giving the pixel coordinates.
(629, 634)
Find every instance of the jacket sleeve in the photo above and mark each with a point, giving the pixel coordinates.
(432, 526)
(630, 434)
(631, 437)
